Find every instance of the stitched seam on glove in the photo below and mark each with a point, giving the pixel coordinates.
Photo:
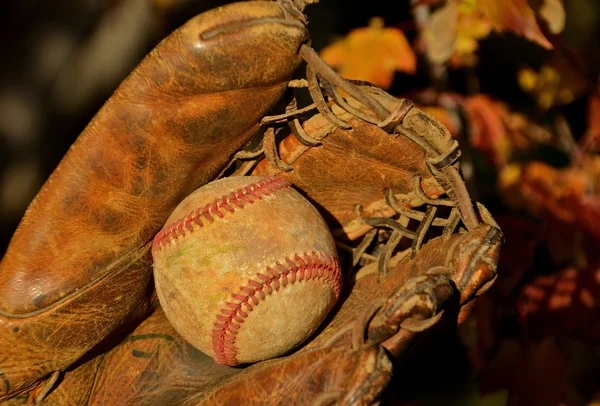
(306, 267)
(218, 208)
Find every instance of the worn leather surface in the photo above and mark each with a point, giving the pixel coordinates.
(78, 265)
(121, 190)
(349, 376)
(353, 167)
(154, 365)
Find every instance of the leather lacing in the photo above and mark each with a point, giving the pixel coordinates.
(456, 208)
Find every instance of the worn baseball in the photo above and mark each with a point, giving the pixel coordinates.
(246, 269)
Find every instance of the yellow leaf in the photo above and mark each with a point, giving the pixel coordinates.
(546, 99)
(516, 16)
(557, 82)
(565, 96)
(509, 176)
(554, 13)
(473, 26)
(466, 6)
(372, 53)
(549, 75)
(466, 45)
(440, 33)
(527, 79)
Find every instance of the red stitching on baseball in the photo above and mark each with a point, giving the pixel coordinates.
(218, 209)
(228, 323)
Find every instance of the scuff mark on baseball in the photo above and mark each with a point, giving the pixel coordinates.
(246, 269)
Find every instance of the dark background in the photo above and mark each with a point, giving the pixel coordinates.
(61, 60)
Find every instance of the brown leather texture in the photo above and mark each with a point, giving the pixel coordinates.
(78, 265)
(348, 360)
(353, 167)
(447, 256)
(338, 182)
(76, 291)
(154, 365)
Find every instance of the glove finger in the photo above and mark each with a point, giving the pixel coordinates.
(398, 182)
(462, 264)
(321, 377)
(170, 128)
(153, 365)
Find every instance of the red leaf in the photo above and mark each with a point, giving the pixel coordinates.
(565, 304)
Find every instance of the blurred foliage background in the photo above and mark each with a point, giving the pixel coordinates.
(516, 82)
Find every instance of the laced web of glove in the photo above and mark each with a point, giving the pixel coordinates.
(383, 237)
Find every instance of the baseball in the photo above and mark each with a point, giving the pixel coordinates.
(246, 269)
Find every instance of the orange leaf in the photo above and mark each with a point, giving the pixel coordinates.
(372, 53)
(555, 191)
(563, 194)
(516, 16)
(487, 128)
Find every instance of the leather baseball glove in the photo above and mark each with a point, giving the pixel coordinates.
(79, 321)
